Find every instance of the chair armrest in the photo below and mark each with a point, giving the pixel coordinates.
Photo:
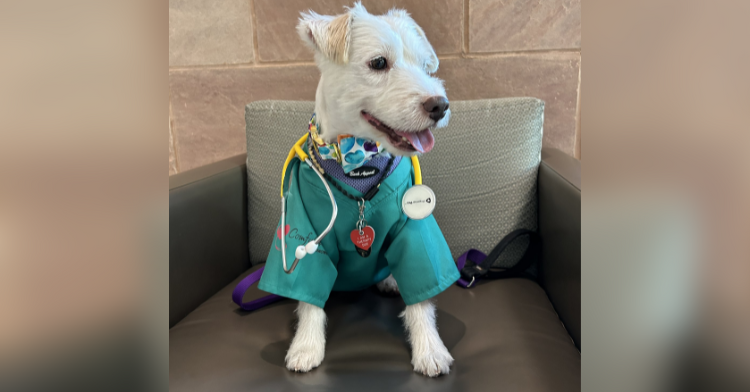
(559, 185)
(208, 234)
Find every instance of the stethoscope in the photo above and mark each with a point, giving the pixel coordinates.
(417, 203)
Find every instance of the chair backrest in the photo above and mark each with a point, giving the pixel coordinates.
(483, 170)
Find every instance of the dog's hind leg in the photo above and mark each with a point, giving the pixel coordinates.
(309, 343)
(388, 285)
(428, 353)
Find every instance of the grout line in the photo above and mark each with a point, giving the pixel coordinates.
(465, 27)
(292, 63)
(173, 134)
(577, 145)
(253, 19)
(524, 52)
(267, 64)
(540, 52)
(453, 56)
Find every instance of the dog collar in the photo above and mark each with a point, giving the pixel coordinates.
(349, 151)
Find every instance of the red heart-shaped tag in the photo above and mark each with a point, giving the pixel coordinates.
(363, 241)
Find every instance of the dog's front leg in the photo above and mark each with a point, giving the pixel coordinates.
(309, 343)
(428, 353)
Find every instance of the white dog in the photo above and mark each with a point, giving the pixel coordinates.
(376, 70)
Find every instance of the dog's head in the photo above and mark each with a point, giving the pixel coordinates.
(376, 78)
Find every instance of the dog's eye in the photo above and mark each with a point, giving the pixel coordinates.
(378, 63)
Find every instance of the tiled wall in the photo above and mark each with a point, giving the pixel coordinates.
(225, 54)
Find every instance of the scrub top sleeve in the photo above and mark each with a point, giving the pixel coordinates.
(313, 278)
(421, 261)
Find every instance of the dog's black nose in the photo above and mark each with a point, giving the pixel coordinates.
(436, 107)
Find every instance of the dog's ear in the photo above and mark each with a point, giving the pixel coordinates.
(431, 62)
(329, 35)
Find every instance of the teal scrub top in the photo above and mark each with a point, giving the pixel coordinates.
(414, 251)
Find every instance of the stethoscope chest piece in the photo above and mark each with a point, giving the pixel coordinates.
(418, 202)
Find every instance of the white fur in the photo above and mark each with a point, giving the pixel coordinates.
(388, 285)
(346, 88)
(309, 343)
(428, 353)
(344, 45)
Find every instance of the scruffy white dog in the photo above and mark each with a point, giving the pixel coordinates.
(375, 70)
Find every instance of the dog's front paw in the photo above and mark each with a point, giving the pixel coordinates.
(303, 359)
(388, 285)
(433, 362)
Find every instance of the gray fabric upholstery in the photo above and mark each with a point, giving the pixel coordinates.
(504, 336)
(272, 129)
(483, 170)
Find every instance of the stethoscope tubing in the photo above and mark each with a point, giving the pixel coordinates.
(322, 235)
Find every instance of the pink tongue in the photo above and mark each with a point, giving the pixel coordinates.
(423, 141)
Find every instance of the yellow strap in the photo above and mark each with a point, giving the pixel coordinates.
(296, 150)
(417, 170)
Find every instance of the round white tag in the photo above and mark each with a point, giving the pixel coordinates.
(418, 202)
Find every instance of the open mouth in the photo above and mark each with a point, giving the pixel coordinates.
(409, 141)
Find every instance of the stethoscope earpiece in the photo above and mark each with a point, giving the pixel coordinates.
(304, 250)
(300, 253)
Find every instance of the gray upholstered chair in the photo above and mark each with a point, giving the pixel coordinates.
(489, 177)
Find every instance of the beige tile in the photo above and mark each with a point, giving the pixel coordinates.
(205, 32)
(550, 77)
(515, 25)
(172, 159)
(208, 106)
(278, 40)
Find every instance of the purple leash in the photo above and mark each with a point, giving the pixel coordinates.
(473, 255)
(475, 265)
(244, 285)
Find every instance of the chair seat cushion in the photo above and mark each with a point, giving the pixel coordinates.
(504, 335)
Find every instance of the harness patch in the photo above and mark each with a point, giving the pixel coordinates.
(363, 172)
